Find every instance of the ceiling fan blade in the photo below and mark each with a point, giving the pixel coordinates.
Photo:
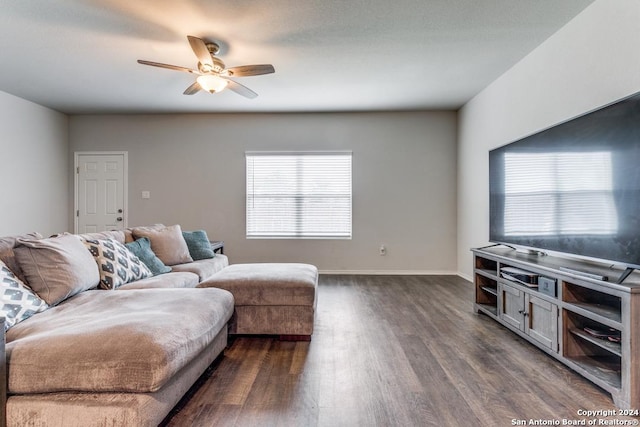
(240, 89)
(251, 70)
(193, 89)
(170, 67)
(200, 49)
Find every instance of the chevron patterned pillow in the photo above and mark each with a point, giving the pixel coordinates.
(117, 264)
(17, 302)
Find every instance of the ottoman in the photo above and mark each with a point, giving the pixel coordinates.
(270, 299)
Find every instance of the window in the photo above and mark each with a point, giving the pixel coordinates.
(298, 195)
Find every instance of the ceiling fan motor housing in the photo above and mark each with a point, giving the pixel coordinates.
(218, 66)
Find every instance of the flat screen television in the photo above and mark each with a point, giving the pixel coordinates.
(573, 188)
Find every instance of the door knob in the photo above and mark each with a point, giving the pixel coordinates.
(119, 210)
(119, 218)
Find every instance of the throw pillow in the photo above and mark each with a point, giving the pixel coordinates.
(9, 257)
(118, 235)
(17, 302)
(142, 249)
(198, 244)
(57, 268)
(167, 243)
(117, 264)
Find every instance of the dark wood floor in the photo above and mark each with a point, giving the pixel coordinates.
(390, 351)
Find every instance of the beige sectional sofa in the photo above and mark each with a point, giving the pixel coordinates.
(111, 358)
(125, 355)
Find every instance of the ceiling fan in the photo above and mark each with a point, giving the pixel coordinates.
(213, 75)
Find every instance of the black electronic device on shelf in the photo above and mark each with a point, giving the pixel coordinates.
(521, 276)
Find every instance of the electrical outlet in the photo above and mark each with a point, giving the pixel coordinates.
(383, 250)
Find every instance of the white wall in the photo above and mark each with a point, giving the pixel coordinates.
(404, 180)
(592, 61)
(35, 169)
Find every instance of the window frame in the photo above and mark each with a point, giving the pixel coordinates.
(348, 153)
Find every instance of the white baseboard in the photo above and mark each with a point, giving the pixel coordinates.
(465, 277)
(392, 272)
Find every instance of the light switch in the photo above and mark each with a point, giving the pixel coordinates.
(146, 194)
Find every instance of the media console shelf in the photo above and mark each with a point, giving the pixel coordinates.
(590, 325)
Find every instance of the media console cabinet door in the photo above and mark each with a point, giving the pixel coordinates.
(512, 310)
(542, 322)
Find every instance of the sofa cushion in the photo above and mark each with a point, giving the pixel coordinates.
(169, 280)
(17, 302)
(198, 244)
(117, 264)
(8, 256)
(98, 341)
(204, 268)
(167, 243)
(142, 249)
(57, 268)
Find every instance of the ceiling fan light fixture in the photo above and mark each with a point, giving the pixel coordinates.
(212, 83)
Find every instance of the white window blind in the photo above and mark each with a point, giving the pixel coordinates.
(298, 195)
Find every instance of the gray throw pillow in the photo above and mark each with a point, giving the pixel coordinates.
(57, 268)
(9, 257)
(198, 244)
(142, 249)
(167, 243)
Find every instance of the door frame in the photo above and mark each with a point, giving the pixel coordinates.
(125, 183)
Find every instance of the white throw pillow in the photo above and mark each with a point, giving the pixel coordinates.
(117, 264)
(17, 302)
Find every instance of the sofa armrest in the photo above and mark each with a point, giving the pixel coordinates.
(217, 246)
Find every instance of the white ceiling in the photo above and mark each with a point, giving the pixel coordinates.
(79, 56)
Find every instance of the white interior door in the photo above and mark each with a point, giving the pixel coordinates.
(100, 191)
